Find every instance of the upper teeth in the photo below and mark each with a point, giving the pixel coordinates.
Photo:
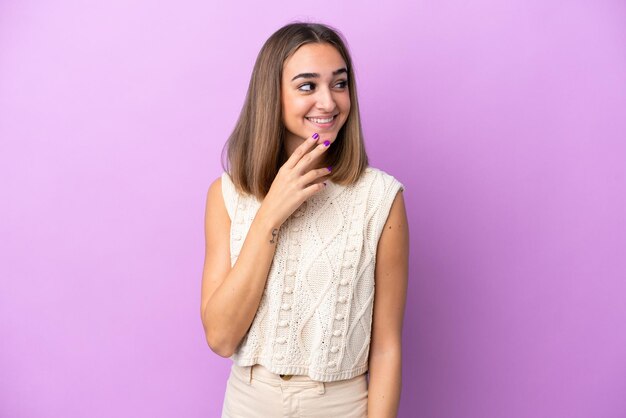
(317, 120)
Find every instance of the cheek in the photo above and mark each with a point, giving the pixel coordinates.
(299, 106)
(346, 102)
(294, 110)
(296, 102)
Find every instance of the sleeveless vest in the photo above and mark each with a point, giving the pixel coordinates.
(315, 315)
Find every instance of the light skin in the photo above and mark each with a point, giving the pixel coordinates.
(314, 84)
(230, 296)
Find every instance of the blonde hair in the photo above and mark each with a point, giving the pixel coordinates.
(255, 149)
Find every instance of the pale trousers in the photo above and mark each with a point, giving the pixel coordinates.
(255, 392)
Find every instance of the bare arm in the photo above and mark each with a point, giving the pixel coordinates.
(231, 296)
(391, 275)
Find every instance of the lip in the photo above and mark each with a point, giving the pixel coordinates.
(322, 125)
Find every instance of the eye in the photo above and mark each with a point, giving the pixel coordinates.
(342, 84)
(310, 85)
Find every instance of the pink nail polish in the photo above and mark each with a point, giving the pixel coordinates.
(330, 168)
(315, 135)
(327, 142)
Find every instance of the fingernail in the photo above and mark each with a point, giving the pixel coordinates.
(327, 142)
(330, 168)
(315, 135)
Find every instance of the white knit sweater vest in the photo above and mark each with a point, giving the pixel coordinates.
(315, 315)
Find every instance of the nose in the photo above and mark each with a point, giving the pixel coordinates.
(325, 100)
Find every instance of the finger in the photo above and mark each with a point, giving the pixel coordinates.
(314, 188)
(301, 150)
(315, 176)
(306, 160)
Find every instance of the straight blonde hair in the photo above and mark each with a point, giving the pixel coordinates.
(255, 149)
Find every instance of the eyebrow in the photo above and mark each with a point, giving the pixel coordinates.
(316, 75)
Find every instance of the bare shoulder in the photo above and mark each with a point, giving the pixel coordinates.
(215, 190)
(216, 222)
(397, 219)
(215, 205)
(393, 245)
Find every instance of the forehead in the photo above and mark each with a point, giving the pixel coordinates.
(315, 58)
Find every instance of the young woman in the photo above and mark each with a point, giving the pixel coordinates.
(306, 264)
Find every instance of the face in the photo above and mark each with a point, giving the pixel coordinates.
(314, 96)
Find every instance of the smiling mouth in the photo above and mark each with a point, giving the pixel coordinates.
(321, 121)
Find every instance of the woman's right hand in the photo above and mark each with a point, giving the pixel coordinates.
(295, 181)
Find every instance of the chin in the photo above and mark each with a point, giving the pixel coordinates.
(330, 136)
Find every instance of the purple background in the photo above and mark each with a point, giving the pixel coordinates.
(505, 120)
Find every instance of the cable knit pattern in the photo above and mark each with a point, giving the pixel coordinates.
(315, 314)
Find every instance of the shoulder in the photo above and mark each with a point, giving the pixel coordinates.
(379, 191)
(216, 185)
(220, 190)
(379, 178)
(220, 184)
(214, 194)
